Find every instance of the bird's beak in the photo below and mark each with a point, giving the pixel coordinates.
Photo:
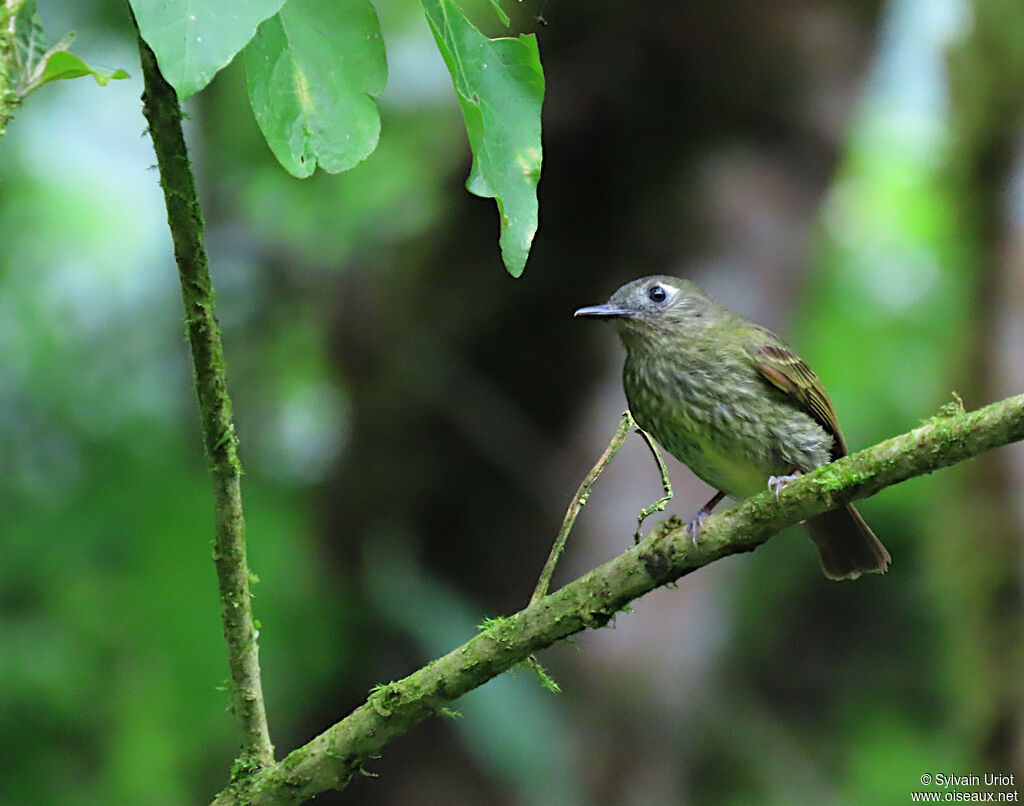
(607, 309)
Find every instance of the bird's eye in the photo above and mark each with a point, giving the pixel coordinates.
(657, 293)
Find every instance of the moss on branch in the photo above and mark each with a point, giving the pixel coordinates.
(9, 97)
(160, 106)
(331, 759)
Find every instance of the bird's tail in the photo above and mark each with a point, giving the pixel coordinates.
(846, 545)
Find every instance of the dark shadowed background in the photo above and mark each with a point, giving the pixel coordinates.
(413, 421)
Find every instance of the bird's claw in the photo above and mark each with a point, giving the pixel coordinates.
(697, 522)
(776, 483)
(702, 515)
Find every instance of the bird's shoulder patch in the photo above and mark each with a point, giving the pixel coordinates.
(785, 370)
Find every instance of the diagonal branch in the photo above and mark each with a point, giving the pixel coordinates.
(160, 106)
(331, 759)
(578, 502)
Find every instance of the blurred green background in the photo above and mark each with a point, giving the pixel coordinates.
(413, 421)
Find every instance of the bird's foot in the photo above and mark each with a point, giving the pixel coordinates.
(697, 522)
(776, 483)
(702, 515)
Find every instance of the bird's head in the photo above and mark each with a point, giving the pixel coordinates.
(650, 308)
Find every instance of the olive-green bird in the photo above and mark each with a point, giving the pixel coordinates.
(730, 400)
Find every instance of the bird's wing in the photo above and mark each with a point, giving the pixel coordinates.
(785, 370)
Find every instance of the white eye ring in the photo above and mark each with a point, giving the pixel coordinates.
(660, 292)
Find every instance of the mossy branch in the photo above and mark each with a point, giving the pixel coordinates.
(578, 502)
(160, 106)
(331, 759)
(9, 97)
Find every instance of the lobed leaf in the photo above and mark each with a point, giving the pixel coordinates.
(500, 87)
(194, 39)
(311, 71)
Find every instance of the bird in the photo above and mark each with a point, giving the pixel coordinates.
(731, 401)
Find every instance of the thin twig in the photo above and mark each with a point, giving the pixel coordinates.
(160, 106)
(666, 485)
(577, 503)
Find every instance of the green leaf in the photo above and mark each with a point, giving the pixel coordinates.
(193, 39)
(63, 65)
(501, 13)
(500, 86)
(311, 70)
(28, 36)
(38, 65)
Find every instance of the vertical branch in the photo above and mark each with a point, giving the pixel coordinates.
(160, 106)
(666, 486)
(9, 98)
